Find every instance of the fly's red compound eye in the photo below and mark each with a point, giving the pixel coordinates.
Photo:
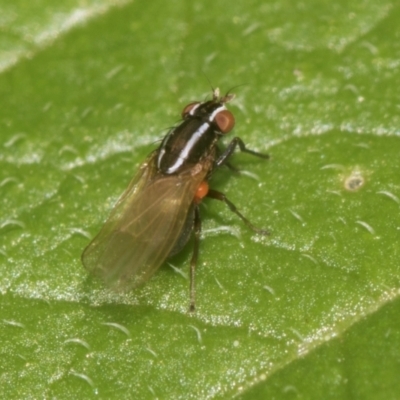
(189, 109)
(225, 121)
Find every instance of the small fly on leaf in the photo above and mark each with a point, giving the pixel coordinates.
(159, 211)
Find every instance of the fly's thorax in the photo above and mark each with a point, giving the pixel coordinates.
(195, 138)
(188, 143)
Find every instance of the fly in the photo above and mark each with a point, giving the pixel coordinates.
(158, 212)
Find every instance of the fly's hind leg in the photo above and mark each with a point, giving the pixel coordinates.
(214, 194)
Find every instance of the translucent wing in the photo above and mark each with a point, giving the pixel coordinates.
(143, 227)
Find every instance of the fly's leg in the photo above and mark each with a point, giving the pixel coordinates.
(214, 194)
(226, 163)
(222, 159)
(193, 261)
(232, 168)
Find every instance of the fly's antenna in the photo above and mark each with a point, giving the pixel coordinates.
(217, 95)
(234, 87)
(215, 91)
(209, 82)
(230, 96)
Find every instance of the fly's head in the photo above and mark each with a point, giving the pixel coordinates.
(212, 111)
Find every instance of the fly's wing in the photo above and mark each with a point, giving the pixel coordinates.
(143, 228)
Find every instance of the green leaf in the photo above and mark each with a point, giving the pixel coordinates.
(86, 91)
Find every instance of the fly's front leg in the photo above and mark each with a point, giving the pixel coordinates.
(193, 261)
(222, 159)
(214, 194)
